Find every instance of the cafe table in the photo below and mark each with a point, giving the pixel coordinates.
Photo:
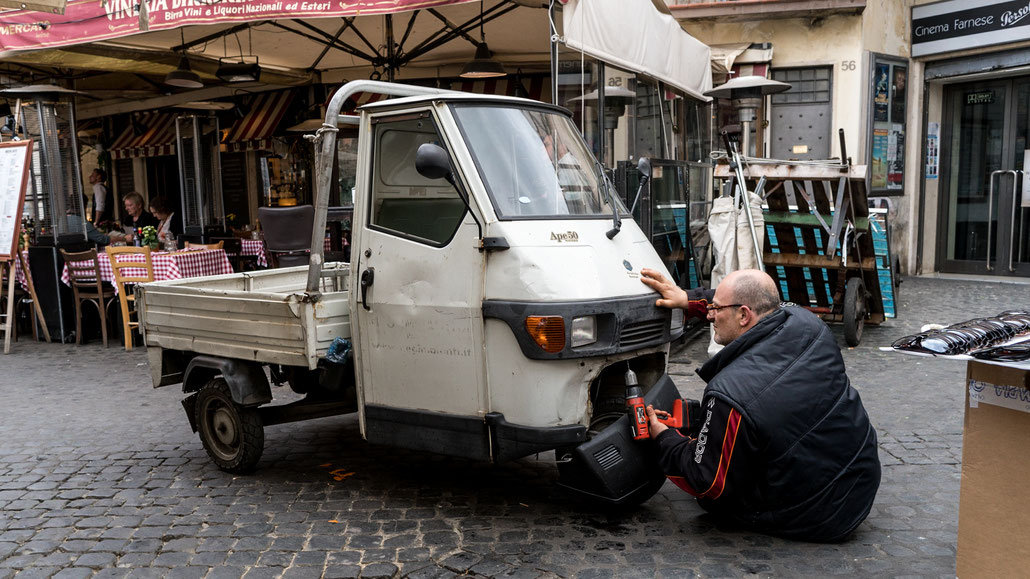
(169, 265)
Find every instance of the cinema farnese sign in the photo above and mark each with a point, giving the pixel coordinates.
(962, 24)
(93, 20)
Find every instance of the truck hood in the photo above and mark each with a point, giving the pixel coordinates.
(568, 260)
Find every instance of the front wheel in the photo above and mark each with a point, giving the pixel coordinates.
(232, 435)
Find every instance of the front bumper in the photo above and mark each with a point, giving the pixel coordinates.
(611, 467)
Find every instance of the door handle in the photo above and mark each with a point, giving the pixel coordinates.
(367, 279)
(990, 210)
(1012, 224)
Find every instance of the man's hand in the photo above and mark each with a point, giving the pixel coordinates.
(656, 426)
(673, 296)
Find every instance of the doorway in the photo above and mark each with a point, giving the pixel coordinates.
(984, 228)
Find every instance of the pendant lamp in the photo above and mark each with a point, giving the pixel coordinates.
(483, 64)
(183, 76)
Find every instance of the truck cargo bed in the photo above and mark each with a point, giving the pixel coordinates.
(264, 316)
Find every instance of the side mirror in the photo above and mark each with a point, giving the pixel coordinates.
(644, 166)
(432, 162)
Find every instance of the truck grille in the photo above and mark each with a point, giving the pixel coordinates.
(641, 332)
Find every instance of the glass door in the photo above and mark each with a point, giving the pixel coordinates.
(986, 131)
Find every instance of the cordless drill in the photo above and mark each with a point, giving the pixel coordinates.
(637, 410)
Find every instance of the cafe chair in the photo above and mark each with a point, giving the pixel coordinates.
(88, 286)
(287, 234)
(126, 271)
(233, 247)
(219, 245)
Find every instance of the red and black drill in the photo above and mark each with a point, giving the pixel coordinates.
(637, 410)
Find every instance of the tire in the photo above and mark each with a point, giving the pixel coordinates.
(854, 311)
(232, 435)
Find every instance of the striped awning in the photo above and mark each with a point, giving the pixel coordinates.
(151, 134)
(254, 131)
(755, 69)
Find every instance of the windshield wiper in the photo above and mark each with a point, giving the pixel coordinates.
(616, 219)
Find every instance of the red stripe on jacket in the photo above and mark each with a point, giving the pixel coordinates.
(719, 483)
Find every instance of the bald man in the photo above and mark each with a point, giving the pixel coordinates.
(785, 446)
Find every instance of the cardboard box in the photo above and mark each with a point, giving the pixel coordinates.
(994, 500)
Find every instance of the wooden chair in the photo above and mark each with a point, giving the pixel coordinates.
(87, 286)
(219, 245)
(127, 271)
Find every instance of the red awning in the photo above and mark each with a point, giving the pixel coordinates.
(91, 21)
(151, 134)
(757, 69)
(254, 131)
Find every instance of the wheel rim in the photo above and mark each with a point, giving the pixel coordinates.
(222, 429)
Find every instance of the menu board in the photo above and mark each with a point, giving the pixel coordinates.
(15, 157)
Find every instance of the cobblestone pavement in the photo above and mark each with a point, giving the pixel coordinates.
(100, 475)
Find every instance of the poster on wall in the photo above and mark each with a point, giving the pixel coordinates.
(933, 135)
(878, 179)
(881, 97)
(895, 156)
(898, 89)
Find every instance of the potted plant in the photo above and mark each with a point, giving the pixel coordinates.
(148, 235)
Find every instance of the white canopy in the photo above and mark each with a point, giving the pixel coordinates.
(634, 35)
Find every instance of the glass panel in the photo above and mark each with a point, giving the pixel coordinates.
(541, 167)
(977, 115)
(403, 201)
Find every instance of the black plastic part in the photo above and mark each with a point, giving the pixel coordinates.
(246, 380)
(495, 244)
(189, 404)
(623, 324)
(611, 467)
(463, 436)
(511, 441)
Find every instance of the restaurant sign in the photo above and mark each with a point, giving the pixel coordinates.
(86, 21)
(961, 24)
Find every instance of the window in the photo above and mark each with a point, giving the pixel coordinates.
(403, 201)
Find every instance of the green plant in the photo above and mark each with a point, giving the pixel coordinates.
(149, 235)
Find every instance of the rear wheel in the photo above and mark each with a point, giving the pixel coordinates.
(232, 435)
(854, 311)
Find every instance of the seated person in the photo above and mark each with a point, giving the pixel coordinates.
(785, 446)
(75, 225)
(135, 216)
(169, 222)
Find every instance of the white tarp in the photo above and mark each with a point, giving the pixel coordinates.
(732, 242)
(635, 36)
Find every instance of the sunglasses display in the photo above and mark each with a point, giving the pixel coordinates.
(979, 337)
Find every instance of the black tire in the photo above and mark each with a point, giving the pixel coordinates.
(232, 435)
(854, 311)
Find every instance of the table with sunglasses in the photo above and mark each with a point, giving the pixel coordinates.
(171, 265)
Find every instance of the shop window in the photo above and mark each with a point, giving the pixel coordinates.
(887, 138)
(403, 201)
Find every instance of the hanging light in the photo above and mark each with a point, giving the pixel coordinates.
(483, 64)
(242, 69)
(183, 76)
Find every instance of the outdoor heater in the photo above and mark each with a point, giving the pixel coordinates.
(746, 94)
(54, 201)
(200, 170)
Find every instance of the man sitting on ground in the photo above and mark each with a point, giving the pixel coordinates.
(785, 446)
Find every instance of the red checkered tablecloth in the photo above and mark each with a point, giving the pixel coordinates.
(254, 247)
(175, 265)
(18, 273)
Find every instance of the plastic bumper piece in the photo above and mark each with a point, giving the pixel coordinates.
(611, 467)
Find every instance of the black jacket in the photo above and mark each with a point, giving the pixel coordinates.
(797, 456)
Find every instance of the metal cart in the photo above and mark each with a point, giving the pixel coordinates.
(820, 246)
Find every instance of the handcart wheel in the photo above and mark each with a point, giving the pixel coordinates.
(854, 311)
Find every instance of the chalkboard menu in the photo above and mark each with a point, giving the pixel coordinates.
(124, 177)
(14, 177)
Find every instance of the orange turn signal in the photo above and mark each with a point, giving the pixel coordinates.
(548, 332)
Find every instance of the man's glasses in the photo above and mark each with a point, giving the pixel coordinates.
(715, 308)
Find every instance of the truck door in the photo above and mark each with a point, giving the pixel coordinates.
(418, 284)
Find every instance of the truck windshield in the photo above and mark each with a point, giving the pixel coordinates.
(534, 163)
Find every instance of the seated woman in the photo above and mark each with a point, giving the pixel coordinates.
(135, 217)
(169, 222)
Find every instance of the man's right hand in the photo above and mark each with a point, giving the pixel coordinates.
(673, 296)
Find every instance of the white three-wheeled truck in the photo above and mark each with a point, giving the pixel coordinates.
(493, 302)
